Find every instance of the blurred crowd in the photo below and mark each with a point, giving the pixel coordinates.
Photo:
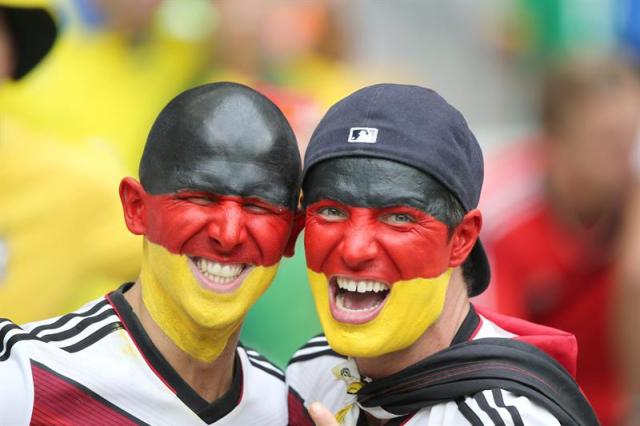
(550, 86)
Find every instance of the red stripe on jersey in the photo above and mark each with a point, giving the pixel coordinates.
(405, 421)
(61, 401)
(298, 414)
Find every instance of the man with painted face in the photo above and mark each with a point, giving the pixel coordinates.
(216, 202)
(391, 182)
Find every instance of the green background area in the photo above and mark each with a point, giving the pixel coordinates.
(285, 317)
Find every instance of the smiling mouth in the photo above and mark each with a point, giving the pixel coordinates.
(357, 301)
(220, 277)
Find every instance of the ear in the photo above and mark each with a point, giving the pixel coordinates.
(464, 237)
(298, 226)
(132, 199)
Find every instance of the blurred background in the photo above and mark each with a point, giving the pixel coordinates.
(548, 86)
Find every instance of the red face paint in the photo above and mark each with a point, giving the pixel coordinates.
(386, 244)
(225, 228)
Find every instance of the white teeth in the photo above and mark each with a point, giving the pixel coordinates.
(361, 286)
(218, 272)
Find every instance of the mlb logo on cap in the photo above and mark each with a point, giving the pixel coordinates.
(363, 135)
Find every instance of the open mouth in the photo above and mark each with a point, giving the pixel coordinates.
(216, 276)
(356, 301)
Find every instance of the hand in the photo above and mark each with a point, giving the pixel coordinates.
(321, 415)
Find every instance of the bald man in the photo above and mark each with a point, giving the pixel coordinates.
(216, 206)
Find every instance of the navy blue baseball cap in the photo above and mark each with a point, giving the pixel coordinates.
(414, 126)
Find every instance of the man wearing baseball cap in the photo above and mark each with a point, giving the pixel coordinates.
(391, 182)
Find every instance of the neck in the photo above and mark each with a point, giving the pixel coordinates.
(437, 337)
(211, 379)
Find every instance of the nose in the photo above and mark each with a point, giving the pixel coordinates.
(228, 231)
(358, 248)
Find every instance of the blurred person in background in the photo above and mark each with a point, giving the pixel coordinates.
(555, 213)
(627, 299)
(80, 84)
(292, 51)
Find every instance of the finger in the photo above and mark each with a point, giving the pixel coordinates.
(321, 415)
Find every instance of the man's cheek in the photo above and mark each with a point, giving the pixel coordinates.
(403, 252)
(271, 235)
(172, 230)
(320, 242)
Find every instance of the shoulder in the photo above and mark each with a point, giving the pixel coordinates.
(314, 351)
(310, 377)
(264, 394)
(261, 365)
(68, 333)
(79, 329)
(312, 361)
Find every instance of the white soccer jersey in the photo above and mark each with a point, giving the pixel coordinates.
(317, 373)
(97, 366)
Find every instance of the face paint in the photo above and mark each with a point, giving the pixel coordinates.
(207, 259)
(199, 321)
(409, 309)
(223, 138)
(379, 272)
(226, 229)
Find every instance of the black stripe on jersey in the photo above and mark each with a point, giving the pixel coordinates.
(12, 341)
(4, 329)
(78, 346)
(93, 337)
(513, 411)
(468, 413)
(78, 328)
(91, 393)
(256, 358)
(319, 343)
(313, 355)
(491, 412)
(312, 342)
(66, 318)
(268, 370)
(252, 353)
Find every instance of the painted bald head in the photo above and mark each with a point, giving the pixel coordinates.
(223, 138)
(217, 205)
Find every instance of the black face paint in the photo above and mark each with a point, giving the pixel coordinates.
(375, 183)
(222, 138)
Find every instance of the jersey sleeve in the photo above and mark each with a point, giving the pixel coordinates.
(500, 407)
(16, 383)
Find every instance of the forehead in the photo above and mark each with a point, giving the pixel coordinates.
(239, 178)
(227, 142)
(370, 182)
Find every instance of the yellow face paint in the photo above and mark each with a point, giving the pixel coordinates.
(411, 307)
(198, 321)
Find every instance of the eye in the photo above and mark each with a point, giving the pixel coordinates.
(201, 201)
(256, 208)
(331, 214)
(397, 218)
